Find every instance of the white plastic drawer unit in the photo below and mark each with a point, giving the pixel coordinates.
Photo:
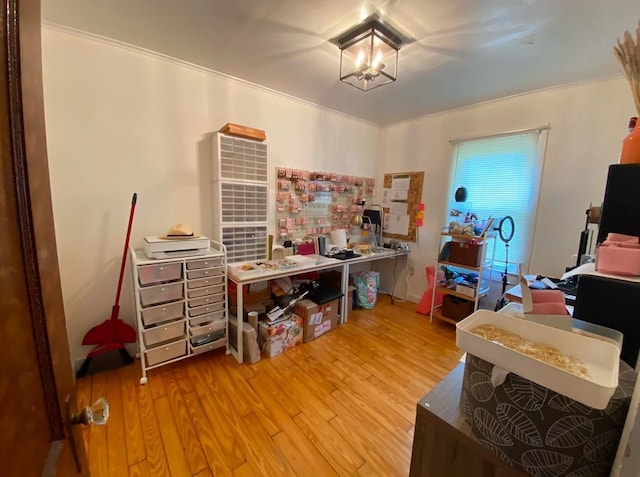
(205, 272)
(205, 282)
(166, 352)
(161, 294)
(163, 272)
(207, 318)
(205, 263)
(157, 314)
(207, 300)
(201, 310)
(163, 332)
(243, 202)
(246, 243)
(197, 292)
(242, 159)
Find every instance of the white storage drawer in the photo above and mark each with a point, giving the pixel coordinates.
(157, 314)
(208, 346)
(206, 300)
(166, 352)
(201, 319)
(205, 263)
(163, 332)
(205, 282)
(205, 291)
(162, 272)
(161, 294)
(202, 340)
(209, 328)
(201, 310)
(205, 272)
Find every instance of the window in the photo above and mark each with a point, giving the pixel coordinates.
(502, 177)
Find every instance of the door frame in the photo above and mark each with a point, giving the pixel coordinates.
(25, 123)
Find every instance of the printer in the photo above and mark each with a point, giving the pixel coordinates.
(157, 247)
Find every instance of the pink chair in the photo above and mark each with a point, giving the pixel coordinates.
(424, 307)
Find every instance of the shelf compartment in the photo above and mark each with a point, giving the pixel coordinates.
(208, 346)
(205, 263)
(160, 273)
(161, 294)
(245, 243)
(450, 291)
(166, 352)
(163, 332)
(438, 315)
(198, 292)
(157, 314)
(457, 265)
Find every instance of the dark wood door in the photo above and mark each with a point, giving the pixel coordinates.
(36, 374)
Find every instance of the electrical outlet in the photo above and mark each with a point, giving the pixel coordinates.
(412, 270)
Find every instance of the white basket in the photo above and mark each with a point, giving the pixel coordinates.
(600, 357)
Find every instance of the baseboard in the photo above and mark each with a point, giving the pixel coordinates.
(414, 298)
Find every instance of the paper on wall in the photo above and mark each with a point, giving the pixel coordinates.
(400, 183)
(390, 195)
(398, 208)
(398, 224)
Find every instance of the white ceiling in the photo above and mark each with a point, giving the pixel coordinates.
(465, 51)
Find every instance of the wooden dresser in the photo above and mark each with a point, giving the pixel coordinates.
(443, 444)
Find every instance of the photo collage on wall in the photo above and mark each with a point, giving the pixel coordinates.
(313, 202)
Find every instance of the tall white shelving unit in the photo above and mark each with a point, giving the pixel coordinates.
(484, 271)
(240, 195)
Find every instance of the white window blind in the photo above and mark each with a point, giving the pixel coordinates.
(502, 177)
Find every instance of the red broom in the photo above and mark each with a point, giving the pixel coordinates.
(113, 333)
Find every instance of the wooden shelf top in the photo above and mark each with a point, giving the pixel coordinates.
(449, 291)
(457, 265)
(469, 237)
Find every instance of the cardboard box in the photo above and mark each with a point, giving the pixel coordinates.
(248, 296)
(276, 339)
(317, 319)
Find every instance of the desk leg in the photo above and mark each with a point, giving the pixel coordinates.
(239, 356)
(345, 293)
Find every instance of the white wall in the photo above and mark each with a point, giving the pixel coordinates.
(588, 122)
(121, 121)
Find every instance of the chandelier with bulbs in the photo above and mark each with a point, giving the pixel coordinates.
(369, 54)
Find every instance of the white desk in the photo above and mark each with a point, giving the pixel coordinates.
(306, 263)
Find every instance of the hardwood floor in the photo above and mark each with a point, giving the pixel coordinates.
(343, 404)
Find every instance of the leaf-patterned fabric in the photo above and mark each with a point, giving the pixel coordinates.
(540, 431)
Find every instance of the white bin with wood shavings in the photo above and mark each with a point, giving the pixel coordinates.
(600, 357)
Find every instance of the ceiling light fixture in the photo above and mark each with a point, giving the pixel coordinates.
(369, 54)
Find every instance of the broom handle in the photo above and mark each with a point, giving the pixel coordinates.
(116, 307)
